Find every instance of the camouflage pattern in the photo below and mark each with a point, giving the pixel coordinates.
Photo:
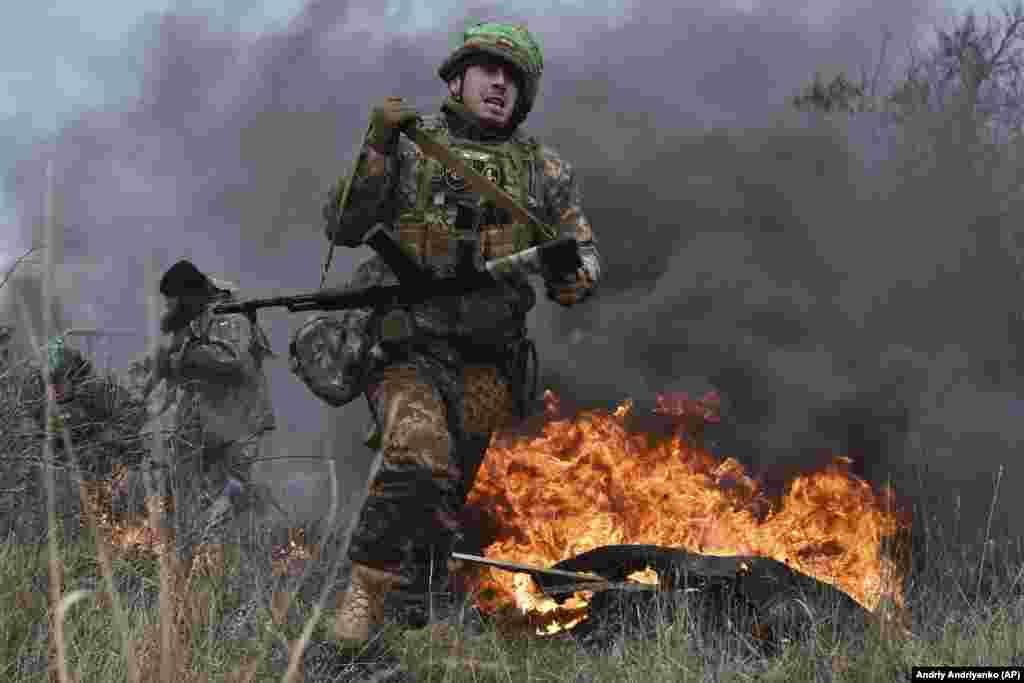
(437, 399)
(435, 422)
(218, 407)
(223, 390)
(444, 210)
(395, 187)
(512, 43)
(331, 355)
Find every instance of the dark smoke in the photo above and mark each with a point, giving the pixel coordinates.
(845, 290)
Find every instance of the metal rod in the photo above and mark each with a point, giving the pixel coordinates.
(528, 569)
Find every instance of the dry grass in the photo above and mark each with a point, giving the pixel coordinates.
(963, 610)
(74, 620)
(80, 610)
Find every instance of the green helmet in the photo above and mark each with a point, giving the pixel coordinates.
(512, 43)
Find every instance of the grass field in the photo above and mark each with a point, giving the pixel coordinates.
(963, 610)
(162, 622)
(78, 611)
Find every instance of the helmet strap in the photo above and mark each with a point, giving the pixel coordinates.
(457, 97)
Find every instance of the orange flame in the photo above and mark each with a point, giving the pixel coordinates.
(589, 481)
(132, 536)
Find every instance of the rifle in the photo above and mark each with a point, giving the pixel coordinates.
(556, 582)
(416, 285)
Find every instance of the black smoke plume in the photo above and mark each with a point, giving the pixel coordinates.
(847, 286)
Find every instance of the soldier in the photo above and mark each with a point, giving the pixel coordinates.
(437, 396)
(89, 409)
(219, 404)
(94, 406)
(91, 406)
(71, 375)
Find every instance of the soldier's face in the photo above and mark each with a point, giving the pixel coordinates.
(489, 90)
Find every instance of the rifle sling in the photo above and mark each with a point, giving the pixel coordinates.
(477, 181)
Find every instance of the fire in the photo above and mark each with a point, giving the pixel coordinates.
(291, 558)
(589, 481)
(133, 536)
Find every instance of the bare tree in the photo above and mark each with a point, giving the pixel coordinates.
(974, 70)
(838, 95)
(17, 262)
(843, 95)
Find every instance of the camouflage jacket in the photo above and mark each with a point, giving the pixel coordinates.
(217, 391)
(384, 191)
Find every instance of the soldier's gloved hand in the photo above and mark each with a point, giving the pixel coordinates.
(385, 122)
(571, 290)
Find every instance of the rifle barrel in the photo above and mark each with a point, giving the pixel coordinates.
(558, 255)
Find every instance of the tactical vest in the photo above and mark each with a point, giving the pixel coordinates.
(446, 212)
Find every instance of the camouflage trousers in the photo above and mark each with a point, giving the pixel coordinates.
(435, 422)
(214, 498)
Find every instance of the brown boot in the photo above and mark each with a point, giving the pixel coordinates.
(361, 608)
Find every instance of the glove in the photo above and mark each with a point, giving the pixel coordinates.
(572, 290)
(385, 122)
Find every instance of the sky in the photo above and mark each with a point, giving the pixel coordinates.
(743, 250)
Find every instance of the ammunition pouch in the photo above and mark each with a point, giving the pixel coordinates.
(436, 246)
(334, 356)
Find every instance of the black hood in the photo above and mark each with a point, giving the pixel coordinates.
(184, 279)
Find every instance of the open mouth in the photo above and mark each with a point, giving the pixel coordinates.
(495, 102)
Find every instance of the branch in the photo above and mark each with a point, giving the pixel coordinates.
(1008, 35)
(886, 37)
(1013, 12)
(17, 262)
